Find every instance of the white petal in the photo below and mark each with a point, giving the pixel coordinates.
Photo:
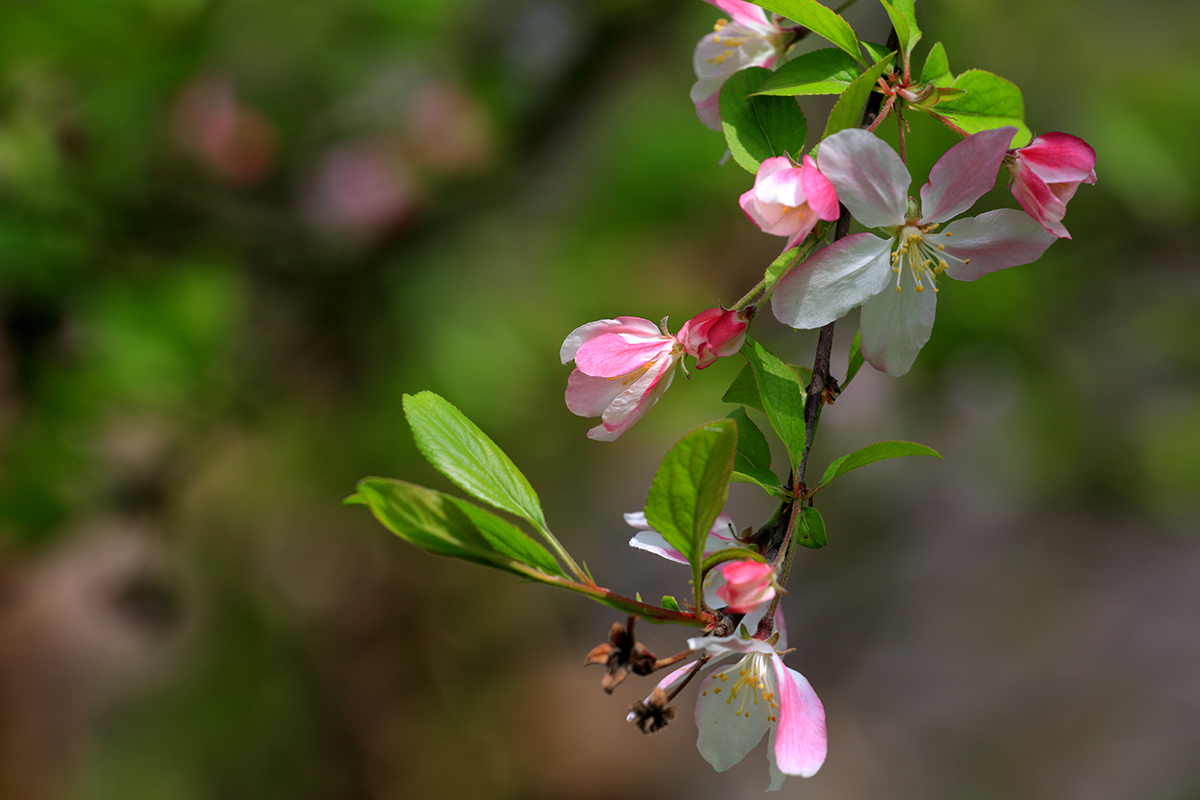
(896, 325)
(870, 178)
(725, 735)
(832, 282)
(654, 542)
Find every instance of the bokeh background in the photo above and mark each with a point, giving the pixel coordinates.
(233, 233)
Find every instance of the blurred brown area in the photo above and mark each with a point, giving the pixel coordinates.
(234, 234)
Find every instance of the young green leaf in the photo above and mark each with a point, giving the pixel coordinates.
(937, 67)
(872, 453)
(446, 526)
(744, 390)
(856, 360)
(810, 528)
(670, 603)
(904, 20)
(988, 102)
(825, 71)
(782, 397)
(472, 461)
(848, 108)
(759, 127)
(752, 461)
(691, 486)
(819, 19)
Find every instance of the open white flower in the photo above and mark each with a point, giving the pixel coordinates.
(872, 182)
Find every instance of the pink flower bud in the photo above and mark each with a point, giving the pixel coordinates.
(748, 584)
(1045, 174)
(714, 334)
(787, 200)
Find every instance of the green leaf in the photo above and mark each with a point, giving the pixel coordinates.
(872, 453)
(904, 20)
(446, 526)
(782, 397)
(690, 487)
(759, 127)
(810, 528)
(856, 360)
(670, 603)
(465, 455)
(819, 19)
(506, 538)
(744, 390)
(989, 102)
(826, 71)
(876, 51)
(937, 68)
(752, 461)
(847, 110)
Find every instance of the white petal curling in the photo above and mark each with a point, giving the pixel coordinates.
(963, 174)
(895, 325)
(868, 175)
(833, 281)
(995, 240)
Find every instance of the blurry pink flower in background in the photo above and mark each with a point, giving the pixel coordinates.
(787, 200)
(238, 142)
(748, 584)
(360, 188)
(752, 39)
(1045, 174)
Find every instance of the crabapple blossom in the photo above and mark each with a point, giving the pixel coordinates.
(1045, 174)
(872, 182)
(787, 200)
(748, 584)
(758, 694)
(752, 39)
(623, 365)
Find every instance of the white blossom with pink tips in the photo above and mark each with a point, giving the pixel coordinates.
(889, 276)
(788, 200)
(1045, 174)
(759, 694)
(623, 365)
(750, 38)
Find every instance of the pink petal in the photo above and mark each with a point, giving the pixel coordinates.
(800, 741)
(588, 396)
(822, 197)
(1039, 200)
(833, 281)
(746, 14)
(964, 174)
(633, 403)
(708, 108)
(611, 355)
(896, 325)
(583, 333)
(995, 240)
(869, 177)
(782, 186)
(1060, 158)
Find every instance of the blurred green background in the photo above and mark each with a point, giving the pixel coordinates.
(234, 233)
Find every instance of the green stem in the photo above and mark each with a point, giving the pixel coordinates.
(622, 603)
